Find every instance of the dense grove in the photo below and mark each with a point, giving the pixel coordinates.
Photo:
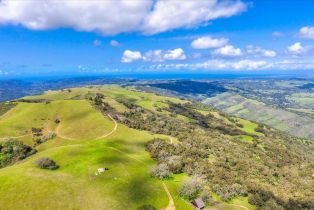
(12, 151)
(275, 170)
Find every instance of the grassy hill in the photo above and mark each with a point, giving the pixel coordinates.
(80, 148)
(89, 136)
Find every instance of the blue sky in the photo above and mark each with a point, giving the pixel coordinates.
(106, 36)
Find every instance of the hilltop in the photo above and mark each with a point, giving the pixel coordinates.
(120, 148)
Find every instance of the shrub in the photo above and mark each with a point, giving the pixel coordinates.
(175, 164)
(191, 188)
(12, 151)
(161, 171)
(207, 198)
(46, 163)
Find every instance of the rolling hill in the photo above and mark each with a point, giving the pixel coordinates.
(114, 128)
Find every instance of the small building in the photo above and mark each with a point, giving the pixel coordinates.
(101, 170)
(198, 203)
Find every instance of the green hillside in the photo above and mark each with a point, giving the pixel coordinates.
(115, 128)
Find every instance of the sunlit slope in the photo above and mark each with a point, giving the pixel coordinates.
(78, 119)
(126, 184)
(80, 148)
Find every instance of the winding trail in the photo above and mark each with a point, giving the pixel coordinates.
(62, 136)
(243, 207)
(171, 205)
(112, 131)
(219, 207)
(97, 138)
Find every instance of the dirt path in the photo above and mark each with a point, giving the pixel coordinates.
(15, 137)
(99, 137)
(62, 136)
(220, 206)
(243, 207)
(171, 205)
(112, 131)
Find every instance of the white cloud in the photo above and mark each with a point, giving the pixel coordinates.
(161, 55)
(297, 49)
(249, 64)
(207, 42)
(245, 64)
(176, 54)
(97, 43)
(307, 32)
(218, 64)
(114, 43)
(257, 51)
(130, 56)
(168, 15)
(228, 51)
(146, 16)
(154, 56)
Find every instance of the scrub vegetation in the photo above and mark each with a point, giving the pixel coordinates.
(119, 148)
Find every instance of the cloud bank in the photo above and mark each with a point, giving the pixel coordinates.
(144, 16)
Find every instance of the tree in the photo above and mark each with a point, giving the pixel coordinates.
(161, 171)
(191, 188)
(46, 163)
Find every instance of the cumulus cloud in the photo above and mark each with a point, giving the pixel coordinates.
(176, 54)
(97, 43)
(297, 49)
(258, 51)
(228, 51)
(307, 32)
(130, 56)
(114, 43)
(168, 15)
(207, 42)
(146, 16)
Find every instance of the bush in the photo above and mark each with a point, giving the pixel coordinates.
(175, 164)
(12, 151)
(191, 188)
(207, 198)
(161, 171)
(146, 207)
(46, 163)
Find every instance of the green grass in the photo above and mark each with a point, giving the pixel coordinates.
(126, 185)
(249, 127)
(78, 119)
(148, 101)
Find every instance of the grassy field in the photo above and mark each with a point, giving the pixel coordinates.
(79, 153)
